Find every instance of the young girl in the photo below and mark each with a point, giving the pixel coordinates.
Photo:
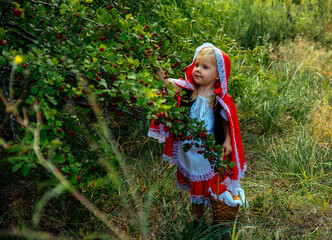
(206, 86)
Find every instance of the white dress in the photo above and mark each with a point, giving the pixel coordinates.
(194, 165)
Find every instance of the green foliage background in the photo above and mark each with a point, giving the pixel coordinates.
(82, 57)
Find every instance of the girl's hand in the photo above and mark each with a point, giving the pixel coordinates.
(228, 143)
(227, 147)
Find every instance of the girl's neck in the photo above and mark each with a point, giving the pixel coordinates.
(206, 91)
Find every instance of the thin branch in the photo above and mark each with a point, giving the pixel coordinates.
(20, 35)
(18, 27)
(10, 108)
(45, 4)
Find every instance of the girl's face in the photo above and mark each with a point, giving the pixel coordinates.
(205, 72)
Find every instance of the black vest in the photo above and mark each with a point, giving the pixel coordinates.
(219, 132)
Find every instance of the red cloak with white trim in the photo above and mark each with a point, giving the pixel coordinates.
(237, 155)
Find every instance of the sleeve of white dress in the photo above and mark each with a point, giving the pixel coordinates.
(224, 115)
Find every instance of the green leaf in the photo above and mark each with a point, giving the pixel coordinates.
(63, 9)
(65, 168)
(25, 170)
(232, 164)
(2, 60)
(17, 166)
(73, 179)
(2, 32)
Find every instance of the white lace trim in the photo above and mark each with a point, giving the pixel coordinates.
(198, 49)
(162, 132)
(175, 160)
(221, 70)
(155, 133)
(227, 197)
(199, 199)
(167, 158)
(182, 83)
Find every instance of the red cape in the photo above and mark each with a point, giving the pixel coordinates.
(226, 101)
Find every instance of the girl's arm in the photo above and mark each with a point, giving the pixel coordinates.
(167, 81)
(227, 143)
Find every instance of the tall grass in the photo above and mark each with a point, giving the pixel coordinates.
(257, 22)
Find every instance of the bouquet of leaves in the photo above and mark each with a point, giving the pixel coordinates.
(182, 127)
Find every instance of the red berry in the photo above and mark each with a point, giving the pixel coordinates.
(98, 78)
(128, 55)
(60, 130)
(100, 94)
(101, 49)
(155, 47)
(36, 102)
(3, 42)
(146, 84)
(149, 51)
(98, 73)
(159, 58)
(24, 65)
(150, 103)
(60, 60)
(111, 6)
(76, 15)
(85, 91)
(115, 66)
(141, 81)
(78, 178)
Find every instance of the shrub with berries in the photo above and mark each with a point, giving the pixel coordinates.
(108, 53)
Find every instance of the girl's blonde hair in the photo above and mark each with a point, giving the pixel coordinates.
(213, 101)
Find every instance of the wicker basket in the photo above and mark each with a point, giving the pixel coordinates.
(221, 211)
